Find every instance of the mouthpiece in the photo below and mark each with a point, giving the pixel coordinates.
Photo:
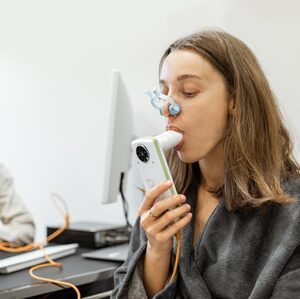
(168, 139)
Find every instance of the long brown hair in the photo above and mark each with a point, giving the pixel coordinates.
(257, 148)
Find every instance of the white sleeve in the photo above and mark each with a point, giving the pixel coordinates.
(16, 221)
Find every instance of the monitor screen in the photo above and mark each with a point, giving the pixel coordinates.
(120, 135)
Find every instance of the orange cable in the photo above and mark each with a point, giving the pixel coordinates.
(51, 263)
(13, 247)
(176, 263)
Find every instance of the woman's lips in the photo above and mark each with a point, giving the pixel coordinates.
(180, 144)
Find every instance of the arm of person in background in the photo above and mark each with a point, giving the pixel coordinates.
(16, 224)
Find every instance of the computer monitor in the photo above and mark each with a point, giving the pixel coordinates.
(120, 135)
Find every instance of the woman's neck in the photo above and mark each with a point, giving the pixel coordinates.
(212, 169)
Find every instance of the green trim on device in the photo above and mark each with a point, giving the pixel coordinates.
(161, 159)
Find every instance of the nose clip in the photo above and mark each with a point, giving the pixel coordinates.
(157, 100)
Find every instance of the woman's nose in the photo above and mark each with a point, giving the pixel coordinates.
(165, 109)
(170, 108)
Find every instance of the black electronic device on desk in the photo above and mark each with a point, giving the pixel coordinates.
(92, 234)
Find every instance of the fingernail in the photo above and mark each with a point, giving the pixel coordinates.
(182, 197)
(168, 183)
(188, 207)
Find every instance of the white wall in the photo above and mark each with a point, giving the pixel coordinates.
(55, 62)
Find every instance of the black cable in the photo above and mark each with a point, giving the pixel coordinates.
(124, 202)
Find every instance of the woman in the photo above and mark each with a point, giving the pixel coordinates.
(240, 224)
(16, 223)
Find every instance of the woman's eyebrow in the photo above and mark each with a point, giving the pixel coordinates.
(182, 78)
(188, 76)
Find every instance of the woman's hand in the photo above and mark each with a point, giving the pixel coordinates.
(162, 219)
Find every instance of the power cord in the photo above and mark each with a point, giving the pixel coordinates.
(124, 202)
(176, 263)
(52, 263)
(12, 247)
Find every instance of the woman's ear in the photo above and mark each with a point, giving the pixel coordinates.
(231, 106)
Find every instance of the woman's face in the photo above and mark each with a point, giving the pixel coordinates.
(201, 92)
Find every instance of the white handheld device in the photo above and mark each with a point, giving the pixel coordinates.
(151, 161)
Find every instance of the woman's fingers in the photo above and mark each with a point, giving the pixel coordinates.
(166, 204)
(172, 229)
(168, 219)
(168, 232)
(162, 219)
(152, 195)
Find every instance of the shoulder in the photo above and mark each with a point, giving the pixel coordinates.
(4, 172)
(289, 213)
(5, 176)
(292, 187)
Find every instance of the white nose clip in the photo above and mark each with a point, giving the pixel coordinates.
(168, 139)
(157, 99)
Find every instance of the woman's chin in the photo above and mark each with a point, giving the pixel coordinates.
(186, 158)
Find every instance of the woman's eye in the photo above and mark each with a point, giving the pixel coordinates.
(189, 94)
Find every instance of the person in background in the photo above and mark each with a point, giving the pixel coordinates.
(238, 207)
(16, 223)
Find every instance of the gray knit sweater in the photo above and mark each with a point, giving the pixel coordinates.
(238, 255)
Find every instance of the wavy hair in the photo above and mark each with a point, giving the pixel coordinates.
(257, 148)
